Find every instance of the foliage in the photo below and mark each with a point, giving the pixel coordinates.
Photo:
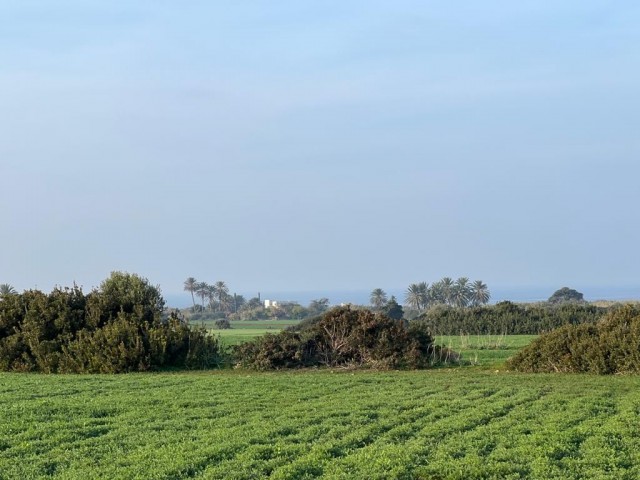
(507, 318)
(566, 294)
(6, 289)
(118, 327)
(378, 298)
(446, 424)
(343, 336)
(609, 346)
(459, 293)
(393, 309)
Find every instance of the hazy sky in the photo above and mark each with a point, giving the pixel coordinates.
(320, 145)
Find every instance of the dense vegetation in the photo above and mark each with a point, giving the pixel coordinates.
(119, 327)
(343, 336)
(436, 424)
(609, 346)
(507, 318)
(458, 293)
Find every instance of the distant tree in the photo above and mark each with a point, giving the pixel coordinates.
(566, 294)
(221, 292)
(211, 297)
(392, 309)
(417, 296)
(252, 303)
(447, 285)
(378, 298)
(461, 292)
(203, 291)
(480, 294)
(6, 289)
(190, 285)
(318, 306)
(225, 302)
(238, 302)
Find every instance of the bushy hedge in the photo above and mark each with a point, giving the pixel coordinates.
(344, 337)
(507, 318)
(117, 328)
(609, 346)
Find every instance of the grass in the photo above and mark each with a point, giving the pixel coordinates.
(485, 350)
(242, 331)
(438, 424)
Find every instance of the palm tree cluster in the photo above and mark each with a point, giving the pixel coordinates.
(459, 293)
(216, 295)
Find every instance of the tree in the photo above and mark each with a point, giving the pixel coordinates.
(211, 296)
(6, 289)
(252, 303)
(417, 296)
(393, 310)
(318, 306)
(461, 292)
(480, 294)
(190, 285)
(238, 302)
(378, 298)
(202, 290)
(566, 294)
(447, 285)
(222, 293)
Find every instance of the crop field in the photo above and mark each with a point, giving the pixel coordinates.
(244, 330)
(457, 423)
(485, 350)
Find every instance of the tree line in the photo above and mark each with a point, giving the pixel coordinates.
(215, 301)
(507, 318)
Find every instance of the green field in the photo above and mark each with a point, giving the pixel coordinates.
(485, 350)
(242, 331)
(439, 424)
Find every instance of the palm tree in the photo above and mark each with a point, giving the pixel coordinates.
(480, 294)
(211, 296)
(226, 302)
(202, 290)
(447, 290)
(6, 289)
(417, 296)
(221, 291)
(378, 297)
(461, 292)
(190, 285)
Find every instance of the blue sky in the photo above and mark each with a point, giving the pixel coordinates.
(285, 146)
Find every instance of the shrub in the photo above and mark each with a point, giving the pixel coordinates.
(609, 346)
(343, 337)
(116, 328)
(223, 324)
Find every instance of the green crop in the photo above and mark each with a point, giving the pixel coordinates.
(438, 424)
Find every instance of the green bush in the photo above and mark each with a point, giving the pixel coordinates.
(118, 327)
(609, 346)
(343, 337)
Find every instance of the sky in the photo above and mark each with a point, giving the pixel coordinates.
(309, 146)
